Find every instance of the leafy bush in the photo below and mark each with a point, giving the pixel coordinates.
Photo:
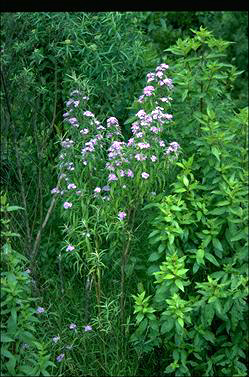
(198, 308)
(22, 354)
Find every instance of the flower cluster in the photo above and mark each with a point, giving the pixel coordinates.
(97, 162)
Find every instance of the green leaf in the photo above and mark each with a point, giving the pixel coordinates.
(223, 203)
(185, 181)
(199, 256)
(217, 244)
(239, 236)
(167, 325)
(218, 211)
(208, 335)
(6, 338)
(179, 284)
(13, 208)
(154, 256)
(211, 259)
(141, 328)
(180, 321)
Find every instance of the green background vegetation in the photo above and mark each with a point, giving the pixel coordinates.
(106, 55)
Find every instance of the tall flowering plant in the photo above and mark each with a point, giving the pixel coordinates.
(105, 178)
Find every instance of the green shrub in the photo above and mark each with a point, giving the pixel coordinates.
(22, 354)
(197, 308)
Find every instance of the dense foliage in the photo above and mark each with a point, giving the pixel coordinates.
(125, 147)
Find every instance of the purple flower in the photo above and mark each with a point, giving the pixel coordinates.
(111, 121)
(60, 357)
(88, 328)
(71, 186)
(130, 173)
(106, 188)
(40, 310)
(97, 189)
(72, 326)
(67, 205)
(150, 76)
(145, 175)
(143, 145)
(148, 90)
(122, 215)
(88, 114)
(153, 158)
(84, 131)
(70, 248)
(55, 191)
(112, 177)
(55, 339)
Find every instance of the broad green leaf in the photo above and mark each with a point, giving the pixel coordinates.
(217, 244)
(180, 321)
(179, 284)
(211, 259)
(167, 325)
(223, 203)
(185, 181)
(199, 256)
(6, 338)
(216, 153)
(154, 256)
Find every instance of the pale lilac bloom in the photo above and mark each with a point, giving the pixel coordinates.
(76, 103)
(130, 141)
(135, 127)
(145, 175)
(71, 186)
(84, 131)
(141, 114)
(129, 173)
(40, 310)
(140, 157)
(140, 134)
(164, 99)
(72, 326)
(111, 121)
(100, 128)
(67, 205)
(122, 215)
(88, 328)
(106, 188)
(162, 143)
(159, 74)
(121, 173)
(154, 129)
(112, 177)
(173, 147)
(148, 90)
(168, 116)
(78, 192)
(55, 339)
(69, 102)
(60, 357)
(143, 145)
(153, 158)
(150, 76)
(72, 120)
(141, 99)
(70, 248)
(88, 114)
(97, 189)
(55, 191)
